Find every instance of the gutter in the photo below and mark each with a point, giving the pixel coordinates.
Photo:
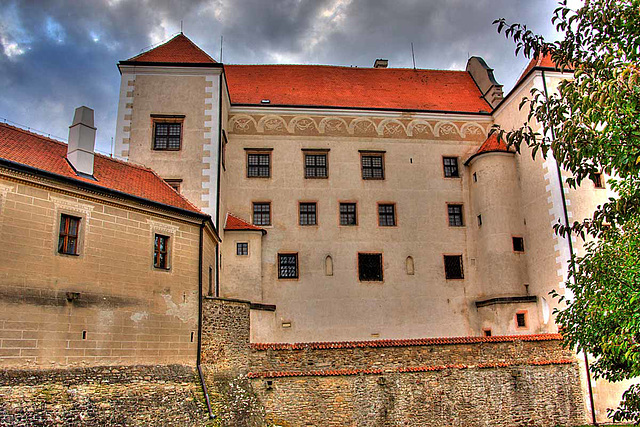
(337, 107)
(199, 353)
(571, 253)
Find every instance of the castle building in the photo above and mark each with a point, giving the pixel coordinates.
(341, 204)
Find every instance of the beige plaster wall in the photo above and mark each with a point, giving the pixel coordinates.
(130, 312)
(241, 275)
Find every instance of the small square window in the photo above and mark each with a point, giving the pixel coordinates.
(372, 166)
(262, 213)
(370, 267)
(258, 165)
(167, 135)
(174, 183)
(242, 249)
(387, 215)
(453, 267)
(487, 332)
(68, 237)
(455, 216)
(348, 214)
(161, 251)
(308, 214)
(521, 319)
(315, 166)
(287, 266)
(598, 182)
(518, 244)
(450, 167)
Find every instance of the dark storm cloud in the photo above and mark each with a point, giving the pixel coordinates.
(56, 55)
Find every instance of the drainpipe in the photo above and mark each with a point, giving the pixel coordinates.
(571, 253)
(198, 355)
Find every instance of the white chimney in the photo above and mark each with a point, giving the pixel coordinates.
(381, 63)
(82, 141)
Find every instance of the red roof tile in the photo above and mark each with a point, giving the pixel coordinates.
(235, 223)
(544, 61)
(492, 144)
(27, 148)
(179, 50)
(351, 87)
(403, 342)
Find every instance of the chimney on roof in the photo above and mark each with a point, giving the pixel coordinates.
(82, 141)
(483, 76)
(381, 63)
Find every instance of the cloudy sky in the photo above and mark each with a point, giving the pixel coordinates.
(56, 55)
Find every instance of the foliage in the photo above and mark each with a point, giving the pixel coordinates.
(592, 124)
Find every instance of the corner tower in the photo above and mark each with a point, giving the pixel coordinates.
(170, 115)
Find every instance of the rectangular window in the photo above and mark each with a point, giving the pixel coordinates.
(479, 220)
(258, 165)
(387, 215)
(242, 248)
(68, 237)
(262, 213)
(597, 180)
(315, 165)
(518, 244)
(453, 267)
(160, 251)
(370, 267)
(521, 319)
(210, 280)
(223, 150)
(348, 214)
(450, 167)
(455, 216)
(308, 214)
(174, 183)
(167, 136)
(487, 332)
(372, 166)
(287, 266)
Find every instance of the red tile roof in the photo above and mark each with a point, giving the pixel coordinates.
(351, 87)
(403, 342)
(235, 223)
(544, 61)
(408, 369)
(177, 50)
(490, 145)
(27, 148)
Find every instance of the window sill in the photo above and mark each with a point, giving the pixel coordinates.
(66, 254)
(161, 268)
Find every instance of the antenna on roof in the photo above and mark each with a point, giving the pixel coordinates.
(180, 26)
(112, 148)
(413, 56)
(221, 48)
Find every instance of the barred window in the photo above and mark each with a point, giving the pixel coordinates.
(68, 237)
(455, 216)
(348, 214)
(242, 248)
(370, 267)
(315, 165)
(160, 251)
(262, 213)
(521, 319)
(308, 214)
(287, 266)
(453, 267)
(450, 167)
(387, 215)
(167, 136)
(372, 166)
(258, 165)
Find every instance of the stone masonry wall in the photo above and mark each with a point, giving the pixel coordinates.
(166, 395)
(225, 335)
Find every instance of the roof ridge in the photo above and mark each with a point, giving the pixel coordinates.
(346, 66)
(28, 132)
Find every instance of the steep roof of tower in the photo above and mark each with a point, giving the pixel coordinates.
(352, 87)
(490, 145)
(235, 223)
(49, 155)
(179, 50)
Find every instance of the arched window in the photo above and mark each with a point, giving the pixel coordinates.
(410, 266)
(328, 266)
